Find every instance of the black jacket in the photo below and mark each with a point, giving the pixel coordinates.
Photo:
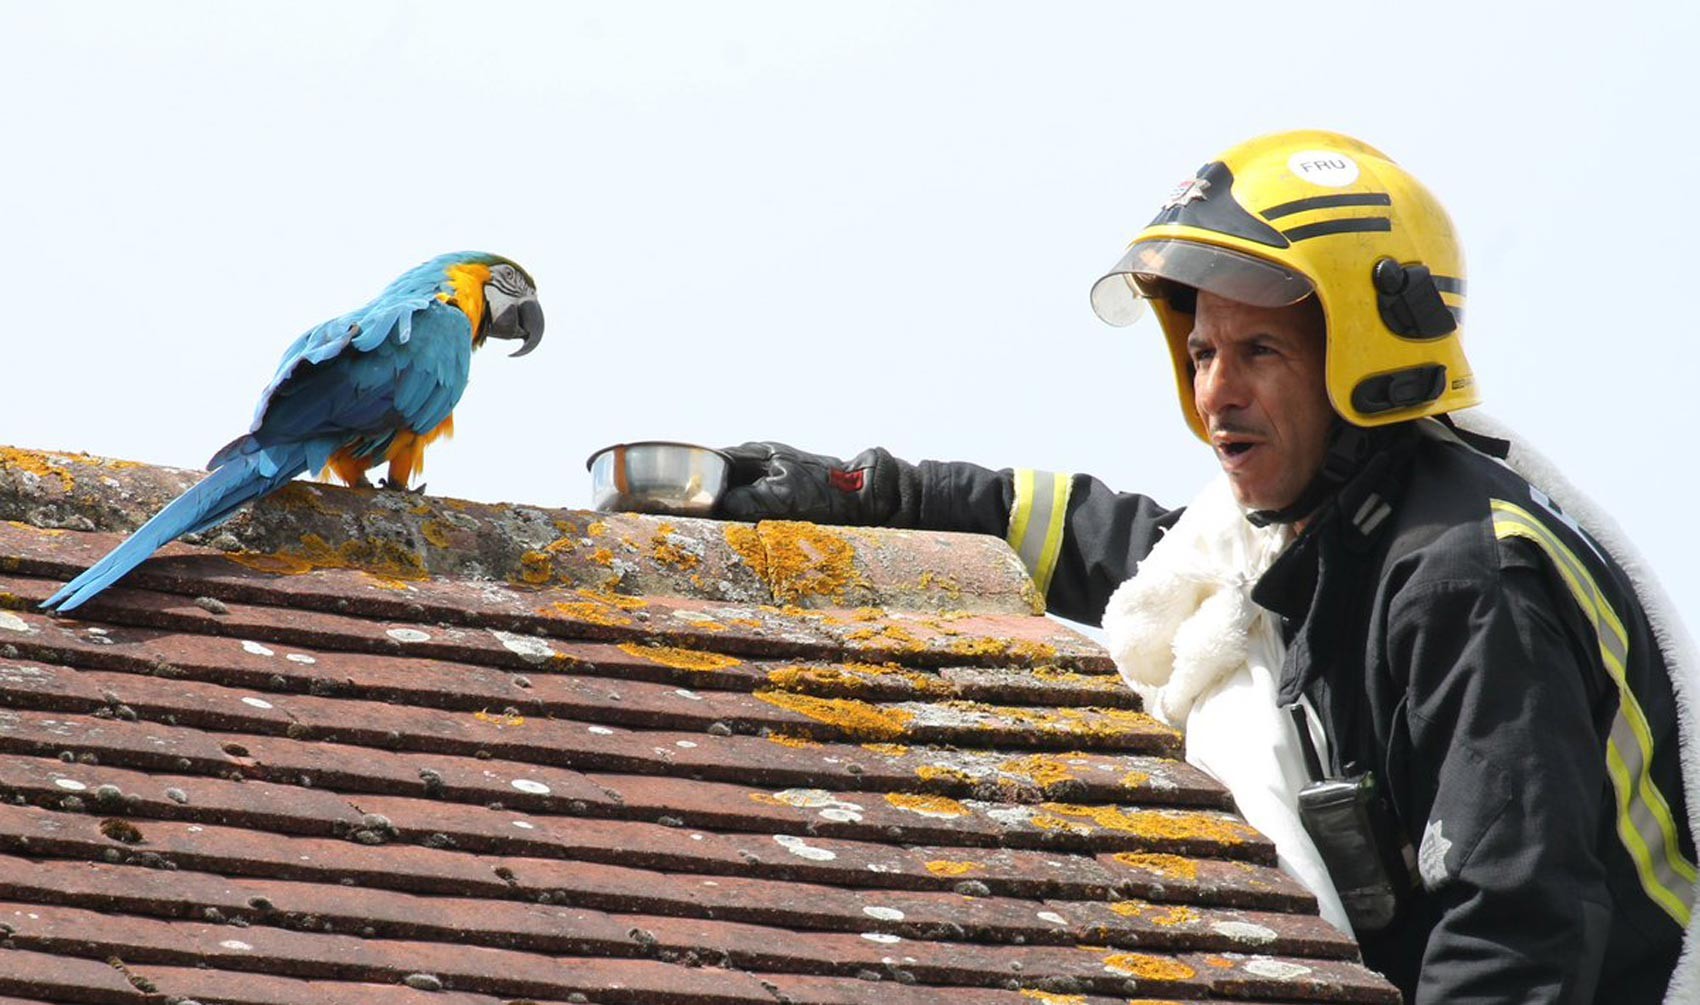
(1462, 639)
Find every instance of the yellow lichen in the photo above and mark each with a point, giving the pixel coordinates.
(1167, 866)
(1040, 769)
(857, 719)
(746, 541)
(1219, 962)
(602, 556)
(1018, 649)
(1091, 681)
(36, 463)
(1051, 998)
(595, 614)
(787, 740)
(894, 636)
(536, 568)
(1148, 968)
(927, 806)
(436, 532)
(1135, 779)
(597, 529)
(942, 583)
(797, 560)
(867, 614)
(682, 659)
(621, 601)
(886, 749)
(951, 867)
(853, 678)
(383, 558)
(665, 551)
(501, 720)
(1143, 823)
(1162, 915)
(943, 773)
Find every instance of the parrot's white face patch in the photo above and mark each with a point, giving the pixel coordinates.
(1431, 856)
(1328, 168)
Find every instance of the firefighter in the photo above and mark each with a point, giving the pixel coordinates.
(1489, 750)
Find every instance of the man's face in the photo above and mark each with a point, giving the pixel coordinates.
(1258, 385)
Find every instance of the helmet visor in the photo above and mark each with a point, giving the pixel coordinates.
(1119, 297)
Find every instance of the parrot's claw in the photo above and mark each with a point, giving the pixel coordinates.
(399, 487)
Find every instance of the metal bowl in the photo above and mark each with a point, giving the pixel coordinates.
(657, 476)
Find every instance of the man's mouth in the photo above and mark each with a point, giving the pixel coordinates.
(1235, 452)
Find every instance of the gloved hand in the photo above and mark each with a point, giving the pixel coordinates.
(772, 481)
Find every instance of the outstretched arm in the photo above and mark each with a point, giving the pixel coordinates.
(1078, 538)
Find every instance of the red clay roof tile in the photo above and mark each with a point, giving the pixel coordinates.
(727, 764)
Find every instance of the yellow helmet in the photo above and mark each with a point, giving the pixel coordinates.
(1284, 216)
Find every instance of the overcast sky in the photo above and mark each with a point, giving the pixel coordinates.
(837, 224)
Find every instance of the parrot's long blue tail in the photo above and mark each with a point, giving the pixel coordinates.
(213, 500)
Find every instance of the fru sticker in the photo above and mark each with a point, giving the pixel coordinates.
(1324, 167)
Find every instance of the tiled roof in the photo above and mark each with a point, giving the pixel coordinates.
(412, 750)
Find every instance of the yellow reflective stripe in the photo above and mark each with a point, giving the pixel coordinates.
(1022, 511)
(1036, 521)
(1644, 820)
(1614, 648)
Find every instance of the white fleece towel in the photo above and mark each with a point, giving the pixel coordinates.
(1186, 636)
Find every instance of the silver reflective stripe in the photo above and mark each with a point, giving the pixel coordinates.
(1036, 521)
(1644, 821)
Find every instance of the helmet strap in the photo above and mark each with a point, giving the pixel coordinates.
(1349, 447)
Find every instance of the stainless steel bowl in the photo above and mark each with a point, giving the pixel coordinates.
(657, 476)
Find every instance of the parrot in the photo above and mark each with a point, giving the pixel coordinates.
(377, 384)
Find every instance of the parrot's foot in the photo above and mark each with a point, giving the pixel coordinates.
(399, 487)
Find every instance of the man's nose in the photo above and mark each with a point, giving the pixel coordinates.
(1218, 388)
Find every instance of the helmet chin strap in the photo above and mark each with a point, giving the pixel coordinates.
(1349, 447)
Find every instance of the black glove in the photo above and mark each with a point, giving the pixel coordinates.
(771, 481)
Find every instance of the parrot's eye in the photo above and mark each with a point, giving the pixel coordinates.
(507, 279)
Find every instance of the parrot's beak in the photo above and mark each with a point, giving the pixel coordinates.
(522, 319)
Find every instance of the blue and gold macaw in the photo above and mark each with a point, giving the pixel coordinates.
(374, 385)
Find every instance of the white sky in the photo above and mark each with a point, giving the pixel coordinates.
(836, 224)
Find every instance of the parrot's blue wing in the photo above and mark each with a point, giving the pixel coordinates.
(405, 359)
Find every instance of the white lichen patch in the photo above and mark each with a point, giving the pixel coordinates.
(1010, 816)
(687, 694)
(1244, 931)
(600, 730)
(1052, 917)
(236, 944)
(527, 647)
(300, 658)
(1279, 970)
(802, 849)
(525, 825)
(12, 623)
(830, 806)
(255, 649)
(883, 913)
(882, 938)
(408, 635)
(70, 784)
(527, 785)
(257, 702)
